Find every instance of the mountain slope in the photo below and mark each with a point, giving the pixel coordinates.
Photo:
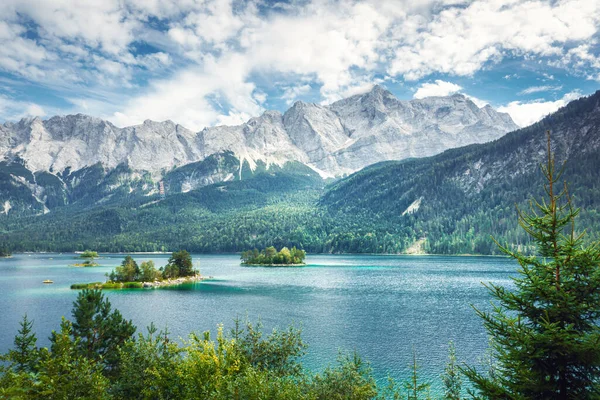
(449, 204)
(461, 197)
(75, 153)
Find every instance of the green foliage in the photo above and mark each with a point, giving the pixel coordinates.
(107, 285)
(546, 331)
(180, 265)
(4, 251)
(59, 373)
(148, 272)
(278, 353)
(80, 286)
(132, 285)
(414, 389)
(270, 256)
(351, 379)
(88, 254)
(66, 373)
(246, 364)
(452, 376)
(128, 271)
(99, 330)
(25, 355)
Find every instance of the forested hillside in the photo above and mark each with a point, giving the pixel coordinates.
(447, 204)
(464, 195)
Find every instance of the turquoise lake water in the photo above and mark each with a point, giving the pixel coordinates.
(380, 306)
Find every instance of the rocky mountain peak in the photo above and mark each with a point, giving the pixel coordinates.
(336, 139)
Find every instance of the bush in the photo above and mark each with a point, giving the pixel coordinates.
(79, 286)
(132, 285)
(111, 285)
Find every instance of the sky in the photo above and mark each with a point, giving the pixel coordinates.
(202, 63)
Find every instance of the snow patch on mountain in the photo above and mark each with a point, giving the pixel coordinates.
(413, 207)
(6, 207)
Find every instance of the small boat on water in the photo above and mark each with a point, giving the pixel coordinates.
(48, 281)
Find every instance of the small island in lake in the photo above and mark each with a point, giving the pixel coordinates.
(89, 258)
(130, 275)
(273, 258)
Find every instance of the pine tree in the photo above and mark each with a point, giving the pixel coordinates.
(98, 329)
(545, 332)
(414, 389)
(452, 376)
(25, 355)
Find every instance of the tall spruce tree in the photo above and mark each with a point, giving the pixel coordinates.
(546, 337)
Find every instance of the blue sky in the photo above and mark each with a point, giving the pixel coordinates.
(208, 62)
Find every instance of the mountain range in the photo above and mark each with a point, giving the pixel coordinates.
(446, 203)
(79, 159)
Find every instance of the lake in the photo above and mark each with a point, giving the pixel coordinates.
(380, 306)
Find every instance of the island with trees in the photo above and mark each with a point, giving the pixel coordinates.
(272, 258)
(130, 275)
(88, 258)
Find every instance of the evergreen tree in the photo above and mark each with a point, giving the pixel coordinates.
(99, 330)
(25, 355)
(546, 337)
(180, 264)
(414, 389)
(67, 374)
(451, 377)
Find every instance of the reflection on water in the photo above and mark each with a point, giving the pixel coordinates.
(380, 306)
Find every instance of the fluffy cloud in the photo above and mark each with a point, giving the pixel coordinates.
(200, 62)
(527, 113)
(291, 93)
(12, 109)
(461, 40)
(438, 88)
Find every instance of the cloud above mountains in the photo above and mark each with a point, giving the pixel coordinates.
(209, 62)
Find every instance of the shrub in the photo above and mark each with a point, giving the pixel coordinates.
(111, 285)
(132, 285)
(79, 286)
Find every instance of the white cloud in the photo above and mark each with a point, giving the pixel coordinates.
(527, 113)
(478, 102)
(437, 88)
(11, 109)
(185, 97)
(291, 93)
(443, 88)
(537, 89)
(85, 50)
(462, 40)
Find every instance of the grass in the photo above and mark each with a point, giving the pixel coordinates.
(107, 285)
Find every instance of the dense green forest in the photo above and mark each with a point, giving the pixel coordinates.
(463, 195)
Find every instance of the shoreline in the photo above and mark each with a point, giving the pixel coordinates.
(140, 285)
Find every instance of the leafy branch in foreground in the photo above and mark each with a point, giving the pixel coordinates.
(546, 337)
